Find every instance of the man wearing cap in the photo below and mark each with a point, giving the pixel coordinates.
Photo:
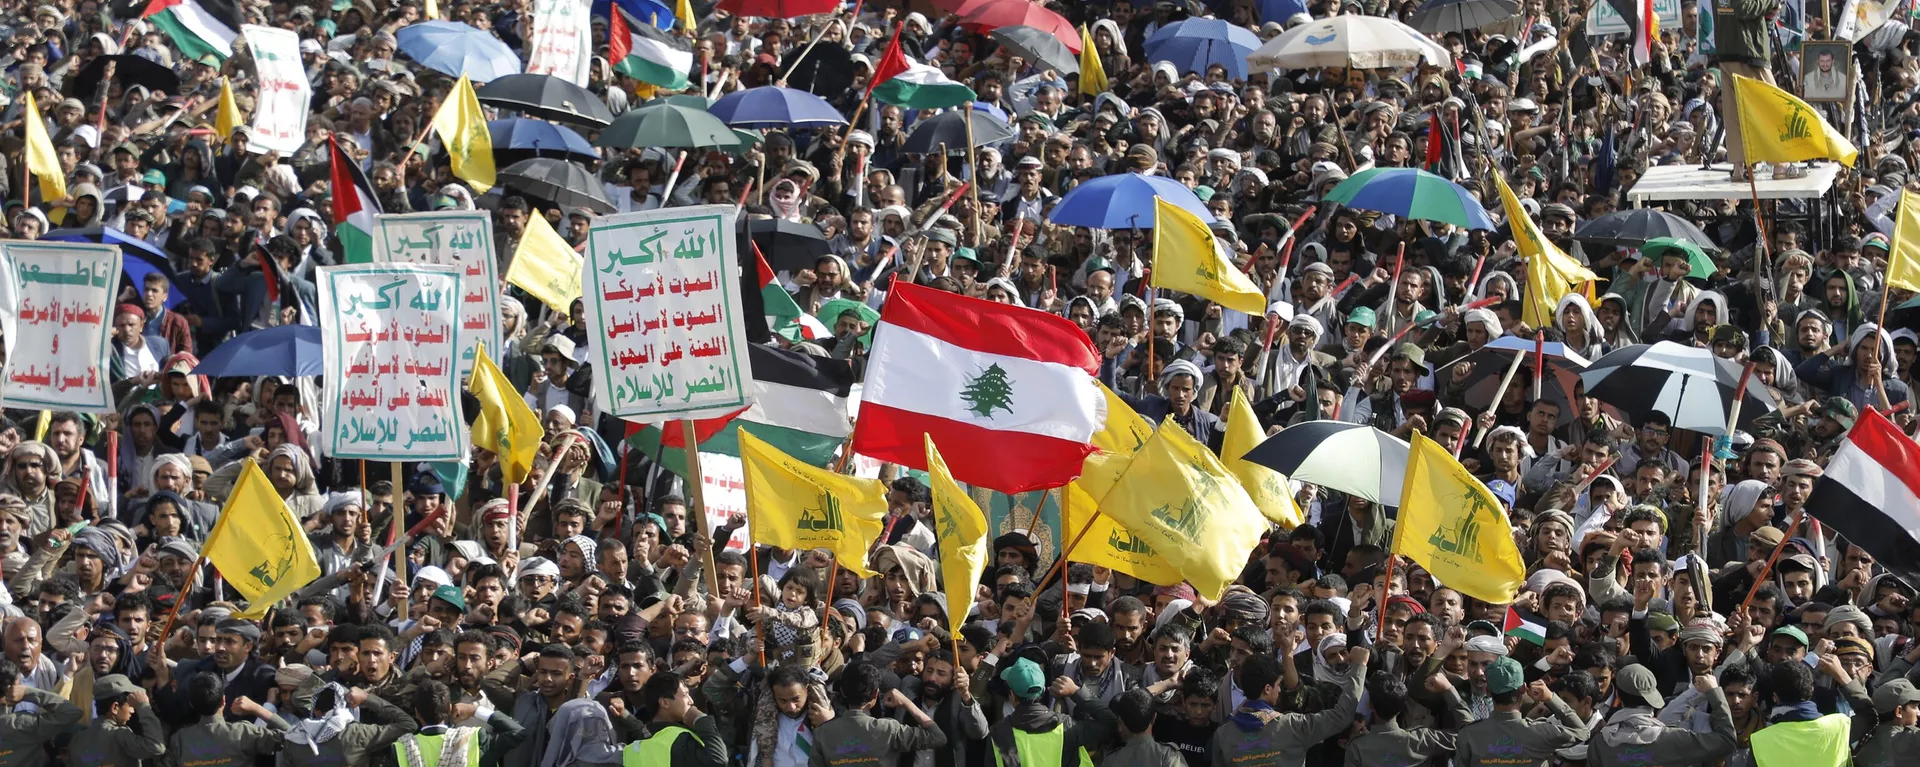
(110, 741)
(1033, 734)
(1260, 735)
(232, 659)
(1634, 734)
(1505, 738)
(567, 383)
(32, 718)
(1896, 739)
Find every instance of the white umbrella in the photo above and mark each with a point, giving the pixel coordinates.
(1352, 458)
(1360, 42)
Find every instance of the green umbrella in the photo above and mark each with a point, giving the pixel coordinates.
(1701, 266)
(667, 124)
(1411, 193)
(830, 312)
(748, 140)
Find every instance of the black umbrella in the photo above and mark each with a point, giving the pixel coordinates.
(1349, 457)
(1458, 15)
(1634, 227)
(946, 128)
(547, 97)
(127, 70)
(827, 71)
(1689, 384)
(1036, 44)
(788, 245)
(560, 182)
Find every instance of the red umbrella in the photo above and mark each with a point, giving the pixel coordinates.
(989, 15)
(781, 9)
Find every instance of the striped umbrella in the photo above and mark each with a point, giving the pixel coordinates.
(1411, 193)
(1689, 384)
(1352, 458)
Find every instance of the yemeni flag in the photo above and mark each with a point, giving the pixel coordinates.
(1643, 24)
(354, 205)
(1870, 493)
(891, 64)
(783, 315)
(922, 87)
(198, 27)
(1525, 625)
(1008, 391)
(799, 406)
(644, 53)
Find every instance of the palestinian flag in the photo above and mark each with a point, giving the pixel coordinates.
(644, 53)
(891, 64)
(799, 406)
(1870, 493)
(783, 315)
(922, 87)
(1525, 625)
(198, 27)
(354, 206)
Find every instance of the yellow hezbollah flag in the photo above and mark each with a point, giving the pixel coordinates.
(1268, 488)
(1178, 498)
(1550, 272)
(433, 9)
(1903, 264)
(683, 11)
(227, 119)
(962, 534)
(504, 425)
(1453, 526)
(798, 507)
(1777, 127)
(546, 266)
(1187, 258)
(1107, 543)
(1093, 76)
(464, 131)
(41, 160)
(258, 546)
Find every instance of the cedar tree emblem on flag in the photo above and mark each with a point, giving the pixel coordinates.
(988, 391)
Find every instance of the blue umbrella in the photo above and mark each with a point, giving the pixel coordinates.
(453, 49)
(1205, 29)
(138, 258)
(1123, 201)
(282, 350)
(518, 138)
(1192, 54)
(771, 106)
(1278, 11)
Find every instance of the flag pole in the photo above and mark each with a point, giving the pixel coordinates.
(1059, 565)
(398, 512)
(699, 511)
(193, 577)
(759, 626)
(113, 472)
(973, 172)
(1500, 394)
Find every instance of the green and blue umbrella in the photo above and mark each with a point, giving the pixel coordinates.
(1411, 193)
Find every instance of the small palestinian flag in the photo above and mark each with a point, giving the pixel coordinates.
(644, 53)
(198, 27)
(1525, 625)
(354, 205)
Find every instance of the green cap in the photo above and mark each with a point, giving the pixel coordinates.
(1662, 622)
(1420, 317)
(1793, 631)
(1203, 192)
(341, 5)
(1024, 678)
(153, 177)
(1638, 680)
(209, 60)
(450, 594)
(1036, 117)
(328, 25)
(1361, 316)
(1840, 409)
(113, 686)
(1505, 675)
(966, 254)
(940, 235)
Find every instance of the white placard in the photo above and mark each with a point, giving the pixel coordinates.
(562, 43)
(61, 357)
(284, 96)
(390, 340)
(1604, 20)
(462, 239)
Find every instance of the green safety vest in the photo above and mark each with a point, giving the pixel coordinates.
(1037, 749)
(656, 751)
(429, 747)
(1819, 743)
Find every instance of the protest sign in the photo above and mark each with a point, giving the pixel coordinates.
(461, 239)
(561, 40)
(390, 336)
(664, 323)
(1604, 20)
(285, 95)
(59, 351)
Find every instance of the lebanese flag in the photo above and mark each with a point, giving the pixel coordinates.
(892, 64)
(1870, 493)
(1008, 391)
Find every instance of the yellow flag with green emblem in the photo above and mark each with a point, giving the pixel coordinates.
(795, 506)
(258, 546)
(1093, 76)
(1453, 526)
(1188, 258)
(1268, 488)
(1903, 262)
(1107, 543)
(42, 162)
(961, 530)
(1177, 497)
(463, 130)
(1551, 273)
(227, 117)
(1776, 127)
(504, 425)
(545, 266)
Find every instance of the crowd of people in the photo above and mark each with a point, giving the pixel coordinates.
(1678, 619)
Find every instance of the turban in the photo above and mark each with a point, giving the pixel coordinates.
(1487, 644)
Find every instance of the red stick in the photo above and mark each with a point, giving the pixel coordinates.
(1344, 284)
(1474, 281)
(113, 474)
(1539, 361)
(1595, 474)
(744, 193)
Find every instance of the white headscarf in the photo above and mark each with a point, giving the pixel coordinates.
(313, 731)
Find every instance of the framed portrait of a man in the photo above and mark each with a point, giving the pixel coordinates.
(1825, 68)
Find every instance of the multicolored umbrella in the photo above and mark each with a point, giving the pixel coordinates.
(1411, 193)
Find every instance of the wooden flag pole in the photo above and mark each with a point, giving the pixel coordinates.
(1059, 565)
(398, 512)
(759, 626)
(699, 511)
(1500, 394)
(193, 577)
(973, 173)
